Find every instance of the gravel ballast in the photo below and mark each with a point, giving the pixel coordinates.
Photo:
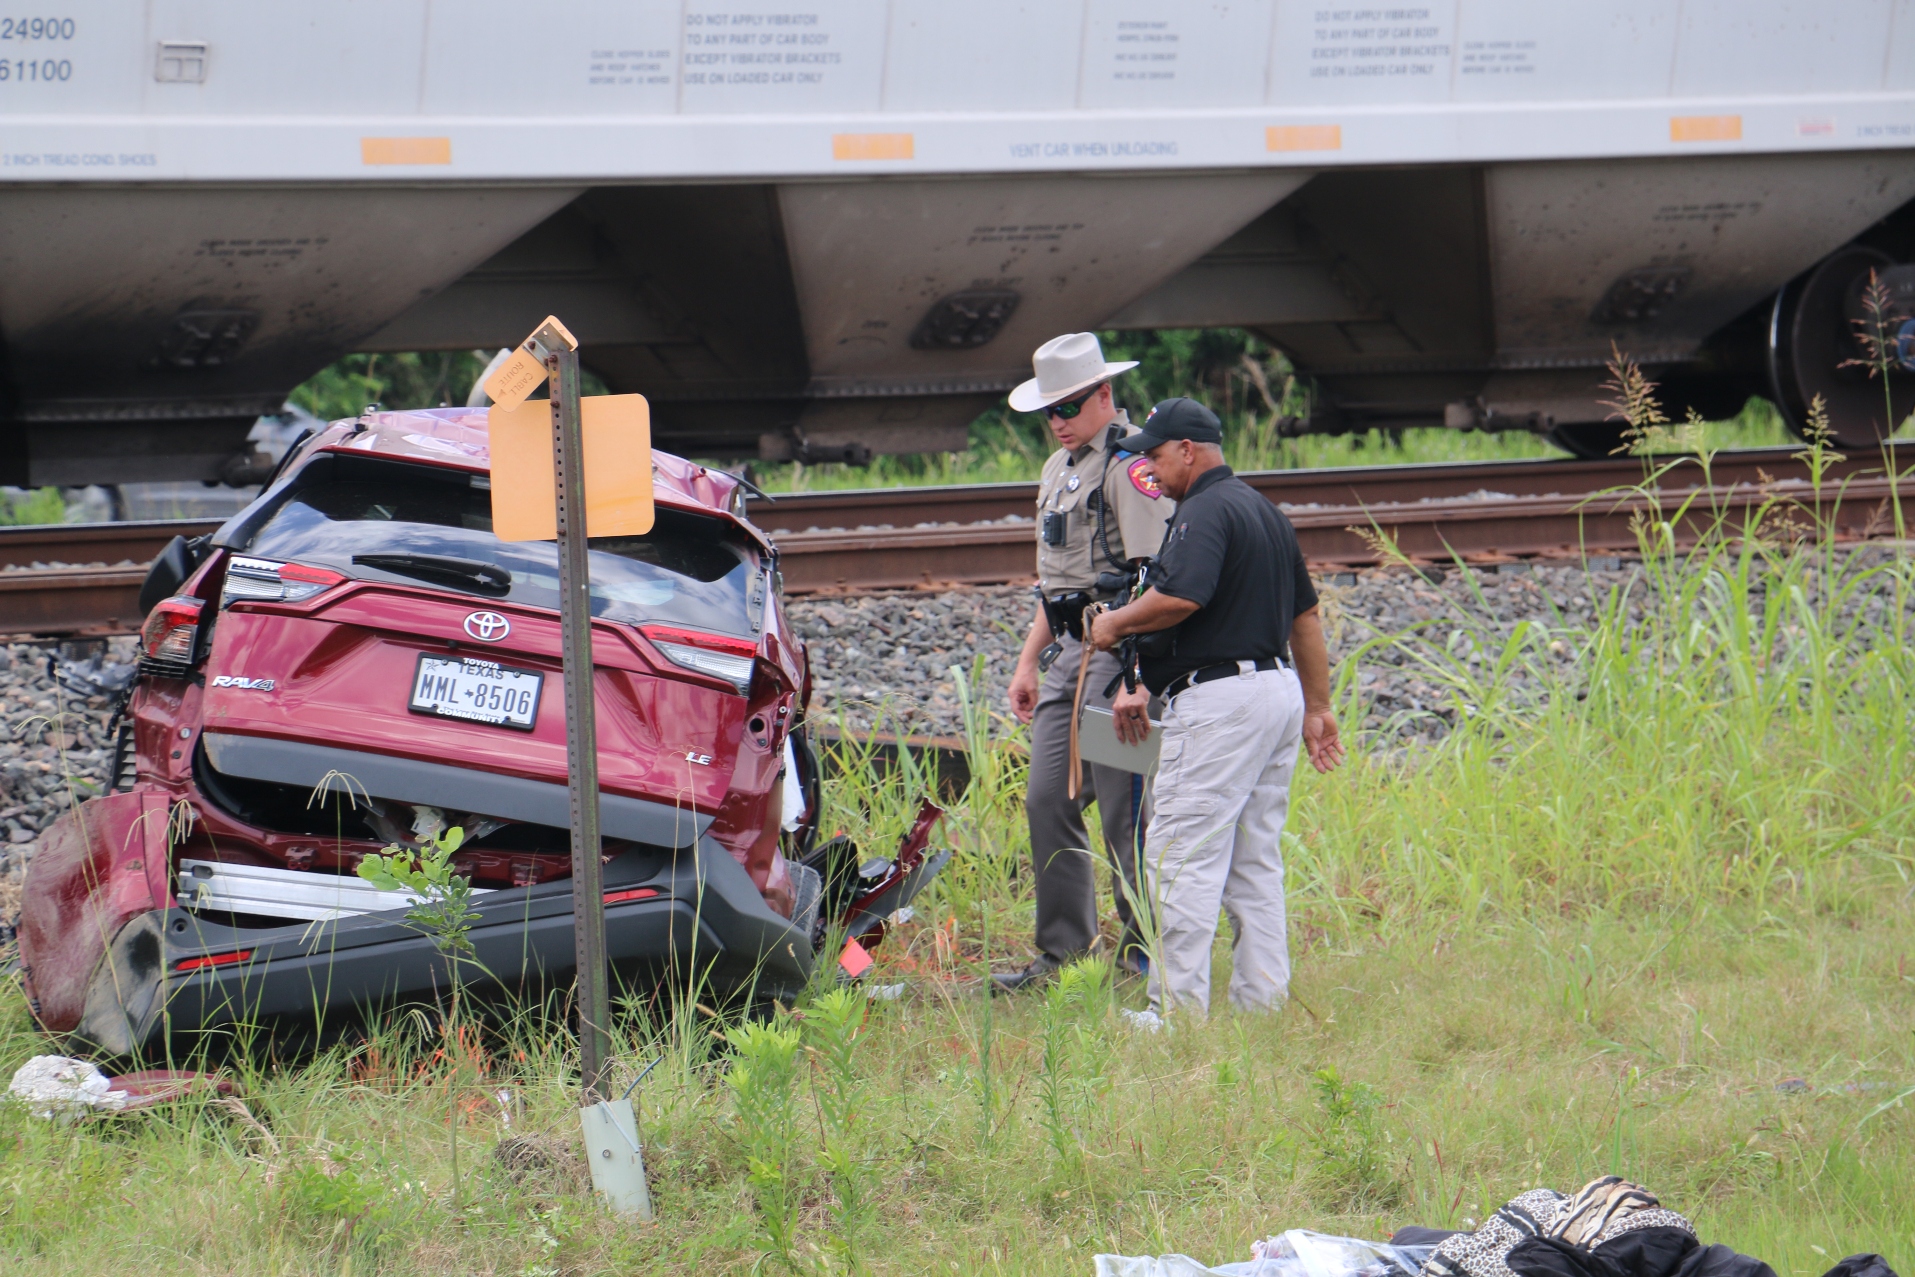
(883, 660)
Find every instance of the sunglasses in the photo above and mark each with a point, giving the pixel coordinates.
(1071, 407)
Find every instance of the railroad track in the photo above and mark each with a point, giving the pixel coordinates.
(982, 534)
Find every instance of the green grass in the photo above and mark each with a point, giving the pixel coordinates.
(1010, 447)
(32, 505)
(1506, 1054)
(1589, 931)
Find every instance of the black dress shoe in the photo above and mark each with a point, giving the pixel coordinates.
(1035, 976)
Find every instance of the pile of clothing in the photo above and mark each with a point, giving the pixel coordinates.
(1612, 1228)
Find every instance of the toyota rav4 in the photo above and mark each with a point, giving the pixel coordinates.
(355, 661)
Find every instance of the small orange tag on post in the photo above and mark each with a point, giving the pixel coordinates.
(514, 379)
(854, 959)
(618, 468)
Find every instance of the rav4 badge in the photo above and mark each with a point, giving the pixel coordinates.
(241, 681)
(487, 627)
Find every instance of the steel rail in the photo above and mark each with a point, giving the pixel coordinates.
(84, 543)
(1472, 530)
(866, 508)
(842, 542)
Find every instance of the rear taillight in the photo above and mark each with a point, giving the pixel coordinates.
(269, 581)
(214, 960)
(716, 655)
(168, 637)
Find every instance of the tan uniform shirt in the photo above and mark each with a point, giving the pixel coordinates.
(1074, 485)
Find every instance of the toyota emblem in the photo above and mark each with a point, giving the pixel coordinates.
(487, 627)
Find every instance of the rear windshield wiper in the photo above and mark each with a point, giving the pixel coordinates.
(471, 574)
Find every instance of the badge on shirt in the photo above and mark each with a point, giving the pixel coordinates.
(1142, 479)
(1070, 484)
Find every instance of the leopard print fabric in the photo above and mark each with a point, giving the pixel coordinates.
(1480, 1254)
(1605, 1209)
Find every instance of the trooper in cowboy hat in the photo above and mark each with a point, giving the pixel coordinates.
(1098, 511)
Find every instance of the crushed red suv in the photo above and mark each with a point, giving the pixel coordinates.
(355, 661)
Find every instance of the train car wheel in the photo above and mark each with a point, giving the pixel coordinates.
(1813, 348)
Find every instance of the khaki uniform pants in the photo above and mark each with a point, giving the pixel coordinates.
(1221, 794)
(1066, 879)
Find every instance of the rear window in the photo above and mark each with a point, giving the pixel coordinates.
(690, 569)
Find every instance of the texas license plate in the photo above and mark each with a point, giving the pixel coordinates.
(481, 691)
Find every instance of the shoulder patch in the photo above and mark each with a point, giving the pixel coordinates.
(1142, 479)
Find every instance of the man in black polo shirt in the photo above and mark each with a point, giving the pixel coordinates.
(1246, 677)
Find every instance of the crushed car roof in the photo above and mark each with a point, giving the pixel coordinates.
(457, 438)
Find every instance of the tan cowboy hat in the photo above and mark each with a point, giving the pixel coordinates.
(1064, 366)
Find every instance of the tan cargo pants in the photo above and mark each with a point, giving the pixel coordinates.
(1215, 840)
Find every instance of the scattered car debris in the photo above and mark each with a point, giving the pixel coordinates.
(54, 1086)
(94, 676)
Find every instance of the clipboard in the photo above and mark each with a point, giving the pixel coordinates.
(1097, 743)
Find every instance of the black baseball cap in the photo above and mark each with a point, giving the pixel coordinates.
(1177, 418)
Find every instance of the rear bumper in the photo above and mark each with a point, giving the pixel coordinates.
(171, 974)
(310, 766)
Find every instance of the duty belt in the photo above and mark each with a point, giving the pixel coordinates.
(1211, 673)
(1064, 613)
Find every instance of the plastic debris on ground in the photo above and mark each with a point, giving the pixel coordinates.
(1296, 1253)
(95, 676)
(884, 992)
(1144, 1021)
(1306, 1254)
(55, 1086)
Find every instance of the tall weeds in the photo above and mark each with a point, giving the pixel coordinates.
(763, 1080)
(1074, 1072)
(834, 1027)
(1728, 726)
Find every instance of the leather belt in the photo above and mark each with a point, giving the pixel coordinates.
(1211, 673)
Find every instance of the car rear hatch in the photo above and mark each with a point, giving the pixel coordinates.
(371, 628)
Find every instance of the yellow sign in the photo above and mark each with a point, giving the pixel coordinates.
(618, 468)
(520, 375)
(514, 379)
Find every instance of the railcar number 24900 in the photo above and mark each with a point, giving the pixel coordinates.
(36, 28)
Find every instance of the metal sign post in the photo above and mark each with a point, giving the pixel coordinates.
(617, 501)
(581, 731)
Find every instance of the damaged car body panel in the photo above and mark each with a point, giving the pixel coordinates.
(355, 661)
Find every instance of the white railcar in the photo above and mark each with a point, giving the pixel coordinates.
(830, 225)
